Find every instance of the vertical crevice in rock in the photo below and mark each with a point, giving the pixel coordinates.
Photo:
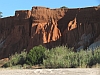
(30, 26)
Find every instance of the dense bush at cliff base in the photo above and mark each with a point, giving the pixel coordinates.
(58, 57)
(16, 59)
(36, 55)
(62, 57)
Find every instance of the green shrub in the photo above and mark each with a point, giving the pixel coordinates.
(95, 58)
(55, 58)
(36, 55)
(16, 59)
(62, 57)
(80, 59)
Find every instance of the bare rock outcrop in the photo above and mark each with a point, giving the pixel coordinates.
(77, 28)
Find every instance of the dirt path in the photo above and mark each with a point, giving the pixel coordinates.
(74, 71)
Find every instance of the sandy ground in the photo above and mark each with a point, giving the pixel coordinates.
(74, 71)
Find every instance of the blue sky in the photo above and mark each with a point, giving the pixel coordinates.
(8, 7)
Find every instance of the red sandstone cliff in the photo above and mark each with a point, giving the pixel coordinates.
(77, 28)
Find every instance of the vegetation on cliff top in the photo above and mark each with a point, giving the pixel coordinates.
(64, 7)
(0, 14)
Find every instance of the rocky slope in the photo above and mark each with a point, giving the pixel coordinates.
(78, 28)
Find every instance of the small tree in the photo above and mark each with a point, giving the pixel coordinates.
(99, 5)
(36, 55)
(0, 14)
(64, 7)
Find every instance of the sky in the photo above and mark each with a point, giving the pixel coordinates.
(8, 7)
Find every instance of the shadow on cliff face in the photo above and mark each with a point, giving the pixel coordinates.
(63, 27)
(78, 29)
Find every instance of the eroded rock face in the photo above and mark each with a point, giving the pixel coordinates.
(76, 28)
